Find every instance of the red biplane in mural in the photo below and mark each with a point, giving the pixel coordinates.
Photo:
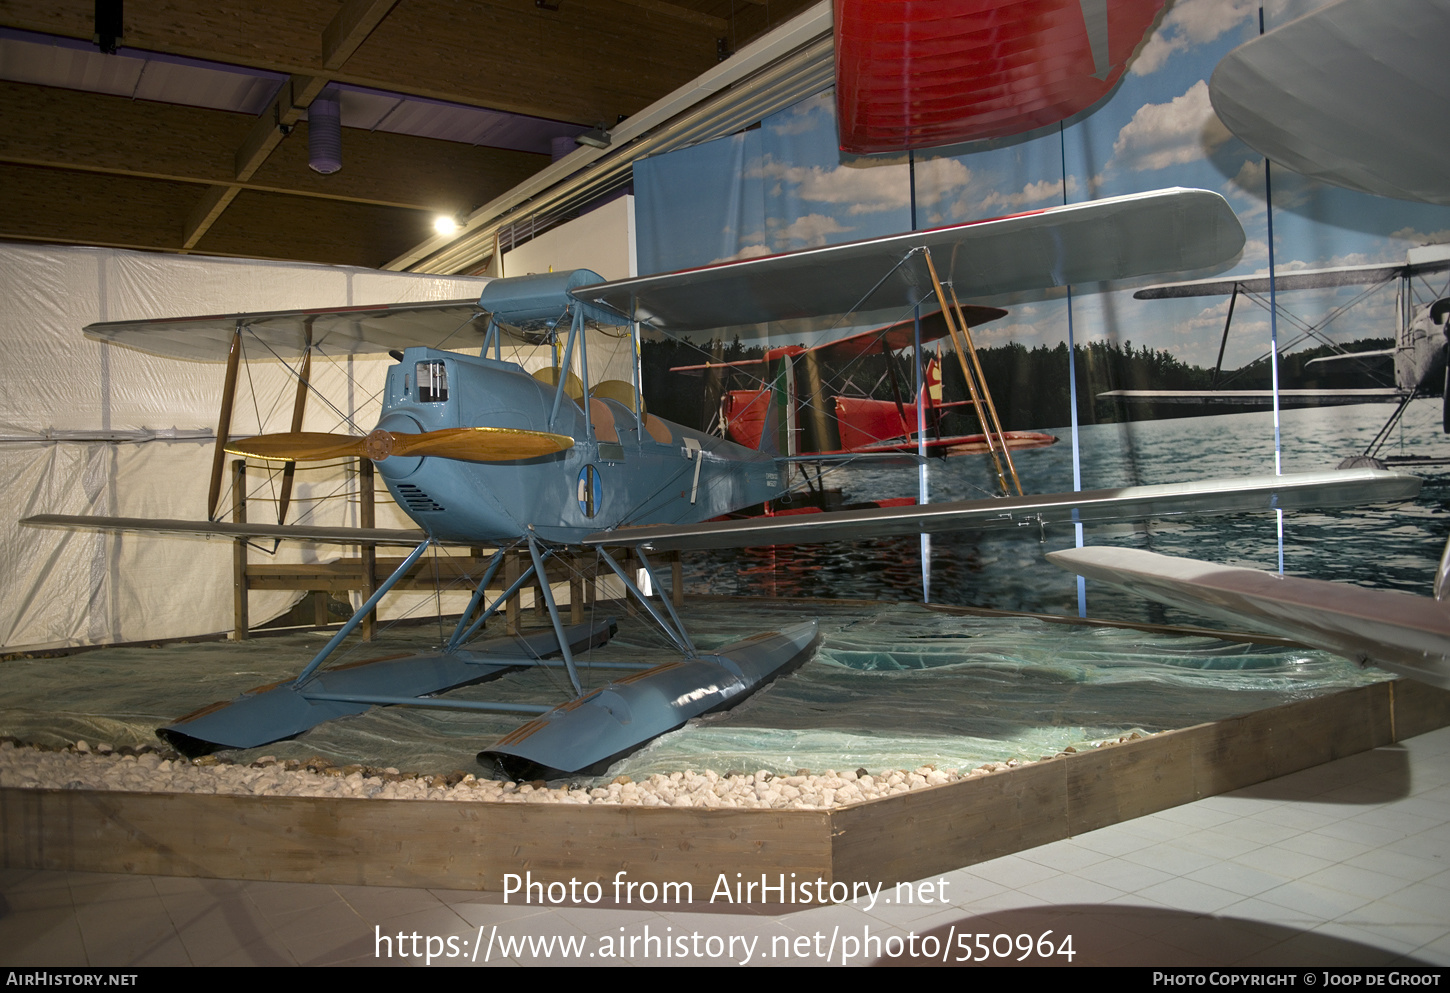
(811, 415)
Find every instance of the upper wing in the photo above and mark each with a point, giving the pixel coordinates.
(1342, 95)
(1341, 487)
(524, 306)
(339, 331)
(1163, 231)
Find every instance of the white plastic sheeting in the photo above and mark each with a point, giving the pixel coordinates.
(63, 394)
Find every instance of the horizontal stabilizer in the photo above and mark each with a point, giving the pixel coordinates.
(1299, 491)
(1401, 632)
(228, 529)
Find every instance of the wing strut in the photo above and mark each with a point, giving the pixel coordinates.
(986, 392)
(224, 423)
(299, 407)
(548, 595)
(1223, 344)
(362, 612)
(991, 429)
(679, 637)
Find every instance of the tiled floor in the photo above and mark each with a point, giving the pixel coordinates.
(1345, 864)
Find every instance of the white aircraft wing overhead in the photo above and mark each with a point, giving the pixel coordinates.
(1347, 94)
(1162, 231)
(1336, 488)
(1406, 634)
(339, 331)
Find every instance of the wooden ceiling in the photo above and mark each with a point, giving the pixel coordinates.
(90, 168)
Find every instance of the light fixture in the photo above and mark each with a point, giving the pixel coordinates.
(595, 138)
(445, 224)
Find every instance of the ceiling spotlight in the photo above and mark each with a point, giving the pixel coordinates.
(595, 138)
(444, 224)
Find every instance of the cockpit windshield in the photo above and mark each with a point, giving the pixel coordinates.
(432, 381)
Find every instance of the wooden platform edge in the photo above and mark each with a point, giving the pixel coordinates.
(922, 833)
(895, 839)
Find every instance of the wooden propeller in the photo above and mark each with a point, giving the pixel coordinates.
(479, 444)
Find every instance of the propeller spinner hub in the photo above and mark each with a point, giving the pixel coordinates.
(379, 445)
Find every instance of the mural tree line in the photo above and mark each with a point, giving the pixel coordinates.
(1030, 386)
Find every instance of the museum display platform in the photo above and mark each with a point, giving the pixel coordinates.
(903, 837)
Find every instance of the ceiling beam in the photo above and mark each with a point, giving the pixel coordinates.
(353, 23)
(147, 214)
(92, 209)
(98, 132)
(275, 123)
(205, 214)
(121, 171)
(348, 28)
(269, 225)
(584, 63)
(111, 134)
(717, 24)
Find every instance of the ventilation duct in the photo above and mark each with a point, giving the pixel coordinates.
(324, 133)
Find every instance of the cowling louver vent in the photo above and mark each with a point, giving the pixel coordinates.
(416, 499)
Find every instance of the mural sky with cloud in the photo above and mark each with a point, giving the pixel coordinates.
(785, 185)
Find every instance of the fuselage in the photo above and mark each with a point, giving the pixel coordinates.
(622, 469)
(1420, 355)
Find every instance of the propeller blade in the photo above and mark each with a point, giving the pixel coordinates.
(298, 446)
(478, 444)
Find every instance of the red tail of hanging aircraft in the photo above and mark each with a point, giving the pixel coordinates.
(919, 75)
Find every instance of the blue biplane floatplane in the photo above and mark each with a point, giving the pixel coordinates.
(479, 452)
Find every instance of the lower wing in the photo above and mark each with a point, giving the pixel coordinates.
(1301, 491)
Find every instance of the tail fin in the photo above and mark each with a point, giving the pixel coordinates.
(770, 426)
(931, 383)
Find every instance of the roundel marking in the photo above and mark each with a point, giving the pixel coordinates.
(590, 491)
